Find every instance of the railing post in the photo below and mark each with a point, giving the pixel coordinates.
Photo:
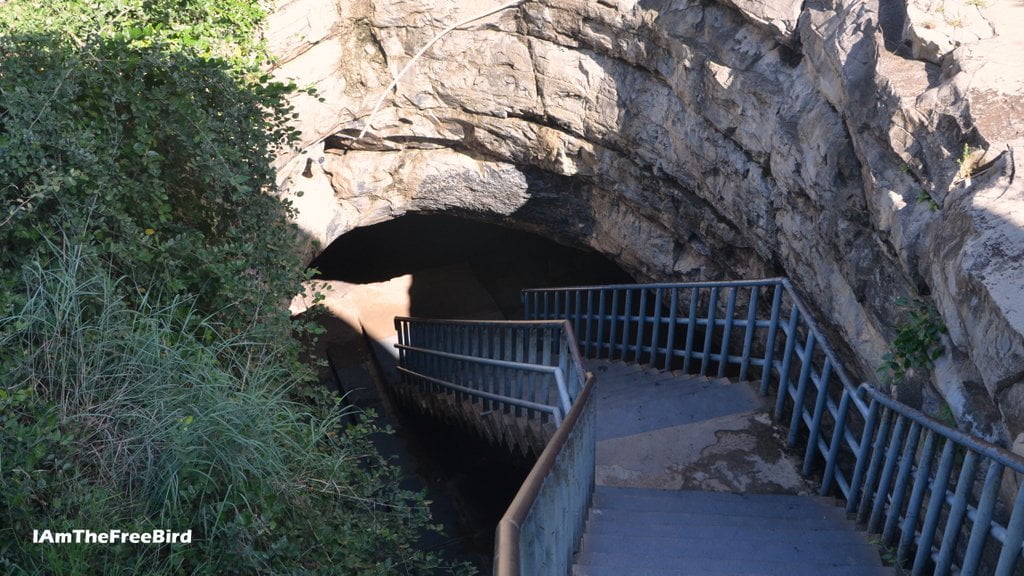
(640, 317)
(931, 518)
(614, 322)
(819, 412)
(709, 333)
(691, 329)
(862, 454)
(577, 312)
(882, 490)
(877, 454)
(956, 514)
(670, 342)
(656, 328)
(909, 527)
(730, 311)
(787, 359)
(982, 520)
(625, 324)
(837, 439)
(1010, 552)
(748, 334)
(801, 390)
(899, 492)
(769, 347)
(588, 324)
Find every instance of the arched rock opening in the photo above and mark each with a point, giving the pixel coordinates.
(699, 140)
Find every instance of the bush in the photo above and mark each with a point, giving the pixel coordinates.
(149, 375)
(142, 417)
(918, 342)
(140, 142)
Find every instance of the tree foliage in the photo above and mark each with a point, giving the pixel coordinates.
(121, 127)
(149, 375)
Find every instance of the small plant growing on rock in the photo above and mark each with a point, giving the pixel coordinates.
(956, 21)
(924, 197)
(918, 342)
(968, 162)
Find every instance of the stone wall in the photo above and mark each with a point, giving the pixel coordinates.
(701, 140)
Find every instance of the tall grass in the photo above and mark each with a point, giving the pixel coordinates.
(170, 425)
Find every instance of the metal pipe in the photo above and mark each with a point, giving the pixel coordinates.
(553, 410)
(749, 329)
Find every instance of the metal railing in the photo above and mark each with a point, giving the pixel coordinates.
(868, 446)
(543, 526)
(529, 369)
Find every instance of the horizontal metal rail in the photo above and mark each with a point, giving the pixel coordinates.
(938, 495)
(554, 371)
(519, 371)
(553, 410)
(656, 285)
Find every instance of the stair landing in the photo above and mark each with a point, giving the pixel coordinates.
(671, 431)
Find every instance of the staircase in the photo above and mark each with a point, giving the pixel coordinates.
(656, 429)
(671, 461)
(684, 533)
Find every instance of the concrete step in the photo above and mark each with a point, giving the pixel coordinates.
(632, 521)
(607, 566)
(670, 533)
(717, 503)
(740, 530)
(746, 544)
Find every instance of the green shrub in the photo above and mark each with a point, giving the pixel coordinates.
(142, 417)
(918, 342)
(148, 373)
(119, 125)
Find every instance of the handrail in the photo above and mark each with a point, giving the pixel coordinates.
(837, 366)
(979, 445)
(652, 285)
(556, 414)
(554, 371)
(491, 323)
(882, 456)
(523, 370)
(932, 492)
(561, 538)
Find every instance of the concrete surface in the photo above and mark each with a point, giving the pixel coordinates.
(674, 432)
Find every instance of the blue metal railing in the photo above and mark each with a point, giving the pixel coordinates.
(543, 526)
(529, 369)
(868, 446)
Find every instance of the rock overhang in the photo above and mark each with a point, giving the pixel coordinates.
(691, 140)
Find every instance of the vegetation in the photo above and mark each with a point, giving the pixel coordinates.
(918, 342)
(925, 198)
(148, 374)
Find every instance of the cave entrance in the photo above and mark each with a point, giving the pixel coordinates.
(438, 266)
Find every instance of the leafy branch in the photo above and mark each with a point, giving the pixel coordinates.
(918, 342)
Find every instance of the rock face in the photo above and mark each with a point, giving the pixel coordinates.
(867, 150)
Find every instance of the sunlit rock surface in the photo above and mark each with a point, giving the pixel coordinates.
(867, 150)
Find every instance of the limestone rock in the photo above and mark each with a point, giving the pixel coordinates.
(699, 140)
